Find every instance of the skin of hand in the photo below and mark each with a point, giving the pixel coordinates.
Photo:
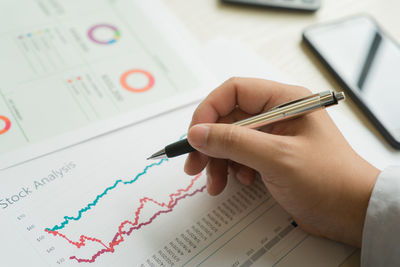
(305, 163)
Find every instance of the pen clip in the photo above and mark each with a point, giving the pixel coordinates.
(294, 101)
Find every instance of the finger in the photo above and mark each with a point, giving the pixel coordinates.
(248, 147)
(250, 95)
(217, 173)
(245, 175)
(195, 163)
(236, 115)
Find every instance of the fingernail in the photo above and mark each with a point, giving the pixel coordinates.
(198, 135)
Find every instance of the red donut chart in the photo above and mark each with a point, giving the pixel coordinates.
(124, 77)
(7, 124)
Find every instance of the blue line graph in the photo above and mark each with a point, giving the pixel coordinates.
(67, 219)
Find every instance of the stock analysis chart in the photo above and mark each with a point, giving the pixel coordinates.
(148, 219)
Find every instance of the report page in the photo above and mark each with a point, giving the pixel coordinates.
(73, 70)
(102, 203)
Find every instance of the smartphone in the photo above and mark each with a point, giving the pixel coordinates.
(366, 61)
(301, 5)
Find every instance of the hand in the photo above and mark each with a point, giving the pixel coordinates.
(305, 163)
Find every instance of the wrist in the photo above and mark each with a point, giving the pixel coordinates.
(356, 194)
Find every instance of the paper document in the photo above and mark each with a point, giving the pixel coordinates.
(101, 203)
(72, 70)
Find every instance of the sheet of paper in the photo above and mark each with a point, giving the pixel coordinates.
(73, 70)
(229, 58)
(102, 203)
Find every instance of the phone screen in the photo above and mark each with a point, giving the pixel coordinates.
(367, 61)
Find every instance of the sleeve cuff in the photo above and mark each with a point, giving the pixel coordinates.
(381, 234)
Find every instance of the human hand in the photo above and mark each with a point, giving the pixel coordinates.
(305, 163)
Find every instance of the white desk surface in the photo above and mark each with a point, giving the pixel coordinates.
(275, 35)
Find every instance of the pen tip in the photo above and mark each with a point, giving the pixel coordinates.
(158, 155)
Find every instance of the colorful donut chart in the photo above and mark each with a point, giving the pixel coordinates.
(7, 124)
(124, 77)
(91, 36)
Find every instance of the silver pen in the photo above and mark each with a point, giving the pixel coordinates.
(284, 111)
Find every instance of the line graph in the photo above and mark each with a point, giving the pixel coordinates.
(142, 202)
(67, 219)
(115, 242)
(118, 238)
(165, 218)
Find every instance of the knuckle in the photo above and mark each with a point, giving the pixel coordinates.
(288, 153)
(303, 90)
(196, 117)
(233, 80)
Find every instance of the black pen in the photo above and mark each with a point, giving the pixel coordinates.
(284, 111)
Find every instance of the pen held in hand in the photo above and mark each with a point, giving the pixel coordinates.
(284, 111)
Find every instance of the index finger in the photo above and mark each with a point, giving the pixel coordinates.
(249, 94)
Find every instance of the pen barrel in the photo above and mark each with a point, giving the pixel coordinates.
(284, 111)
(290, 110)
(178, 148)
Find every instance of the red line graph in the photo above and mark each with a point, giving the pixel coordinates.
(119, 236)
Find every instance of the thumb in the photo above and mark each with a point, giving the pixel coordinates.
(246, 146)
